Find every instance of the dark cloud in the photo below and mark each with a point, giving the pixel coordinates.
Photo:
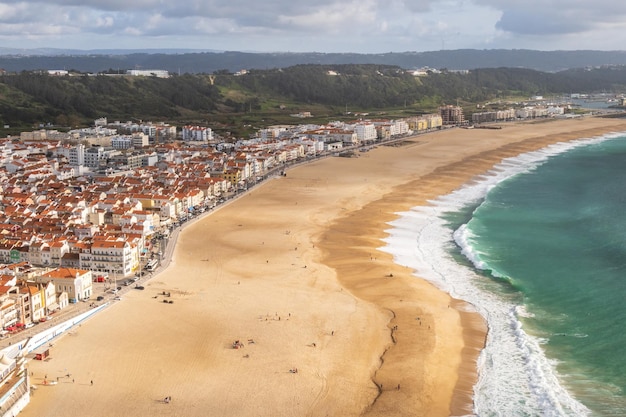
(323, 25)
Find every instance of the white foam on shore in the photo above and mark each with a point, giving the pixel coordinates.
(515, 377)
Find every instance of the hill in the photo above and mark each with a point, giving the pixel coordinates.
(229, 102)
(208, 62)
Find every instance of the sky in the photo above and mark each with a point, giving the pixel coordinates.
(360, 26)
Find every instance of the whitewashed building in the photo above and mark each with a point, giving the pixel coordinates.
(197, 134)
(366, 132)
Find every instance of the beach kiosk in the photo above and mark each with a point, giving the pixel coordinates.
(42, 353)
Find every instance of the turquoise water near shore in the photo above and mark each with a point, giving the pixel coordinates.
(556, 237)
(538, 247)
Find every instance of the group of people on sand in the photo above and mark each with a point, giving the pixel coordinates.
(167, 400)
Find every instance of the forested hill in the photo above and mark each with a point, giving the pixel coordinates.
(209, 62)
(30, 99)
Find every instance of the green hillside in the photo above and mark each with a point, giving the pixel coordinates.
(235, 103)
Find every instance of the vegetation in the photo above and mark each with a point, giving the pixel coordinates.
(210, 62)
(241, 103)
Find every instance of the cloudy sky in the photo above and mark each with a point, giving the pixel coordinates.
(363, 26)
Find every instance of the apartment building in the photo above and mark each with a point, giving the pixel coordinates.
(365, 132)
(452, 115)
(112, 257)
(76, 283)
(197, 134)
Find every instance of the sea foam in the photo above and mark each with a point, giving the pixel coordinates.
(515, 378)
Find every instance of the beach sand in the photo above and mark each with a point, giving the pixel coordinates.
(292, 270)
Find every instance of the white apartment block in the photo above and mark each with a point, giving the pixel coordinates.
(136, 140)
(365, 132)
(74, 154)
(400, 127)
(112, 257)
(94, 155)
(197, 133)
(149, 130)
(122, 142)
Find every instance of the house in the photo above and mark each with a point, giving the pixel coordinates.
(77, 283)
(30, 302)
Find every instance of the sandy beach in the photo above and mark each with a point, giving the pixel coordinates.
(292, 271)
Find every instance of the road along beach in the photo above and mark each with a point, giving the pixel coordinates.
(283, 303)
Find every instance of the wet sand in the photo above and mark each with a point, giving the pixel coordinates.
(293, 272)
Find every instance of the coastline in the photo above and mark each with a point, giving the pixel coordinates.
(294, 266)
(474, 328)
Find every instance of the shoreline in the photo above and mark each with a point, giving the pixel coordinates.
(474, 325)
(294, 269)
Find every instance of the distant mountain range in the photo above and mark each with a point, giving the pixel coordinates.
(210, 61)
(20, 52)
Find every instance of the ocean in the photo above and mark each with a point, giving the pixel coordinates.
(538, 247)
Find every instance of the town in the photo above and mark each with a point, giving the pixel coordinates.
(99, 203)
(89, 212)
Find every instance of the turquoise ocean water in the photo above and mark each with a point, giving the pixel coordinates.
(538, 247)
